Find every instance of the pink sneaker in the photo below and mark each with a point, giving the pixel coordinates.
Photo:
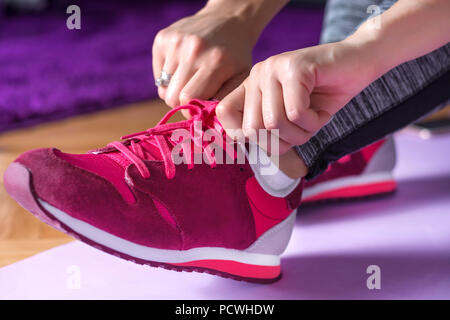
(130, 200)
(364, 173)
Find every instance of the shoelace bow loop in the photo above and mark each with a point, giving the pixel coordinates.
(157, 143)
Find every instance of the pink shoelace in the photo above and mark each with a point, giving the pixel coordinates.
(157, 143)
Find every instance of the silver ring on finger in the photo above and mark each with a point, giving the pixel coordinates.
(163, 80)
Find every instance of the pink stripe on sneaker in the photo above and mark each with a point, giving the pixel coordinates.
(164, 213)
(236, 268)
(354, 191)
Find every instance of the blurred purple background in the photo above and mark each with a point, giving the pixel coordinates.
(48, 72)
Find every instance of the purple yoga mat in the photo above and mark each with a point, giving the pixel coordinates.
(48, 72)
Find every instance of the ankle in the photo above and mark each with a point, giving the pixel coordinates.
(292, 165)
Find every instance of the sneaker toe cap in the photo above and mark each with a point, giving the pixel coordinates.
(88, 197)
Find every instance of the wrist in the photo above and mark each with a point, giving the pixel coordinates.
(252, 15)
(380, 44)
(370, 51)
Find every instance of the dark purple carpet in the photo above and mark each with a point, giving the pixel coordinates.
(48, 72)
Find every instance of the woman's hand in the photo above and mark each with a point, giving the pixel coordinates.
(201, 52)
(210, 53)
(297, 92)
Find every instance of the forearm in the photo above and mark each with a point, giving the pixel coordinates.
(406, 31)
(255, 14)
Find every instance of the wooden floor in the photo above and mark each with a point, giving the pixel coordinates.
(21, 234)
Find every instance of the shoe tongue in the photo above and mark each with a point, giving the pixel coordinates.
(119, 157)
(114, 155)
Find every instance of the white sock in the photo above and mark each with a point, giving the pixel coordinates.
(270, 177)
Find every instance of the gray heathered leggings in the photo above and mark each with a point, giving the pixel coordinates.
(397, 99)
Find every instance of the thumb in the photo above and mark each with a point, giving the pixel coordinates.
(230, 112)
(230, 85)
